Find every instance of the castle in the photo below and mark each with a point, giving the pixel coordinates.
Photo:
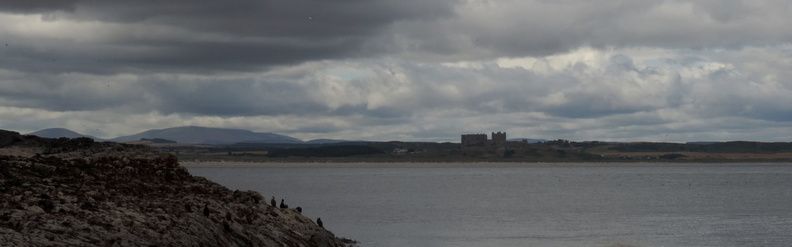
(480, 143)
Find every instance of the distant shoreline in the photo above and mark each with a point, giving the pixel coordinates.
(237, 164)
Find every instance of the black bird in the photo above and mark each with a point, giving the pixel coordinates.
(272, 201)
(206, 210)
(299, 209)
(319, 222)
(283, 205)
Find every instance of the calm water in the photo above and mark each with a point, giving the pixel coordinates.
(536, 206)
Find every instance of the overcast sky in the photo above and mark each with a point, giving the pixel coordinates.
(410, 70)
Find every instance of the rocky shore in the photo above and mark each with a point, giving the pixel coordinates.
(76, 192)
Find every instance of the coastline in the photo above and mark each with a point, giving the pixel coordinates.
(238, 164)
(77, 192)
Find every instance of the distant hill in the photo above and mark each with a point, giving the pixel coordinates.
(60, 132)
(325, 141)
(529, 140)
(204, 135)
(716, 147)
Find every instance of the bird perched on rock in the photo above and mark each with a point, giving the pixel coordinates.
(299, 209)
(283, 205)
(272, 201)
(319, 222)
(206, 210)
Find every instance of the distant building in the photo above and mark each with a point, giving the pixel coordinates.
(499, 138)
(480, 143)
(474, 140)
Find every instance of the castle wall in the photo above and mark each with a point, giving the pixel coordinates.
(474, 140)
(478, 144)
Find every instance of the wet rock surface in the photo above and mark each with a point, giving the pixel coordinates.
(75, 192)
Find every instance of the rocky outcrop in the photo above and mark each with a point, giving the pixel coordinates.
(75, 192)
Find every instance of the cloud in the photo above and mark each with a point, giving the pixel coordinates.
(37, 6)
(196, 37)
(487, 29)
(176, 36)
(402, 70)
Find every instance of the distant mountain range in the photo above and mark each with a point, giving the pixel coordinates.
(325, 141)
(205, 135)
(527, 139)
(186, 135)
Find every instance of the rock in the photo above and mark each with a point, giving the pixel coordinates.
(76, 192)
(9, 137)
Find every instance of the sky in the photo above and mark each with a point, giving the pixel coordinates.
(408, 70)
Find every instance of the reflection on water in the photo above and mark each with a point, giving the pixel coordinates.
(536, 206)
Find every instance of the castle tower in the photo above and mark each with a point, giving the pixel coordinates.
(499, 138)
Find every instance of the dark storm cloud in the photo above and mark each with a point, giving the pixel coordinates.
(211, 36)
(308, 18)
(42, 6)
(167, 95)
(200, 36)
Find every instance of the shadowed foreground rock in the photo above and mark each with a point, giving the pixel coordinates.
(74, 192)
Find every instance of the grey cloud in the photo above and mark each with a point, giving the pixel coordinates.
(621, 88)
(538, 28)
(51, 94)
(211, 36)
(238, 36)
(40, 6)
(370, 69)
(259, 18)
(229, 98)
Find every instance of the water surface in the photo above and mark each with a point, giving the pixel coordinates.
(693, 205)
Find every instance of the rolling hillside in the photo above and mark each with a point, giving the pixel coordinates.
(204, 135)
(60, 132)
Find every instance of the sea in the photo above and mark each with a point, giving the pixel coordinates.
(533, 205)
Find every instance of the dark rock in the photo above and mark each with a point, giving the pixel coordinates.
(77, 192)
(256, 199)
(9, 137)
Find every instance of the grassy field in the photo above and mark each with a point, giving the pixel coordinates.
(553, 152)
